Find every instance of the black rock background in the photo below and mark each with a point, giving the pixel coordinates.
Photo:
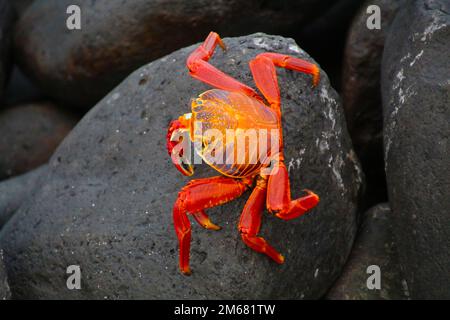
(361, 93)
(20, 6)
(6, 29)
(41, 61)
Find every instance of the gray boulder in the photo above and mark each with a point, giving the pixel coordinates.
(416, 95)
(106, 203)
(374, 246)
(14, 191)
(361, 93)
(81, 66)
(29, 134)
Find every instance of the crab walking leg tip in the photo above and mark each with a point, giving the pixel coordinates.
(313, 194)
(299, 207)
(186, 271)
(213, 227)
(260, 245)
(202, 218)
(316, 75)
(222, 45)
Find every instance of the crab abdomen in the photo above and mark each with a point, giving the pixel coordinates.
(232, 132)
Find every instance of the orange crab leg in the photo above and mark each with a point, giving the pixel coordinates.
(279, 196)
(202, 219)
(265, 77)
(199, 68)
(250, 222)
(278, 190)
(194, 198)
(263, 70)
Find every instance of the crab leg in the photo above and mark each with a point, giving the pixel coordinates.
(194, 198)
(203, 220)
(199, 68)
(250, 222)
(263, 70)
(278, 189)
(279, 196)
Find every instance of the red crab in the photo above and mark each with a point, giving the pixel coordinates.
(234, 105)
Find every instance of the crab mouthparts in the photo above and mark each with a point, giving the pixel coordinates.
(186, 169)
(181, 162)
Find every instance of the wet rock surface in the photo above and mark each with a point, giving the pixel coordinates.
(29, 134)
(361, 93)
(416, 91)
(5, 293)
(6, 19)
(374, 246)
(14, 191)
(106, 202)
(79, 67)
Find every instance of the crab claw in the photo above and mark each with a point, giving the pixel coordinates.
(177, 136)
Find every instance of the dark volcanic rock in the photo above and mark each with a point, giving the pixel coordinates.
(6, 19)
(107, 201)
(5, 293)
(361, 93)
(29, 134)
(374, 245)
(80, 66)
(14, 191)
(416, 96)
